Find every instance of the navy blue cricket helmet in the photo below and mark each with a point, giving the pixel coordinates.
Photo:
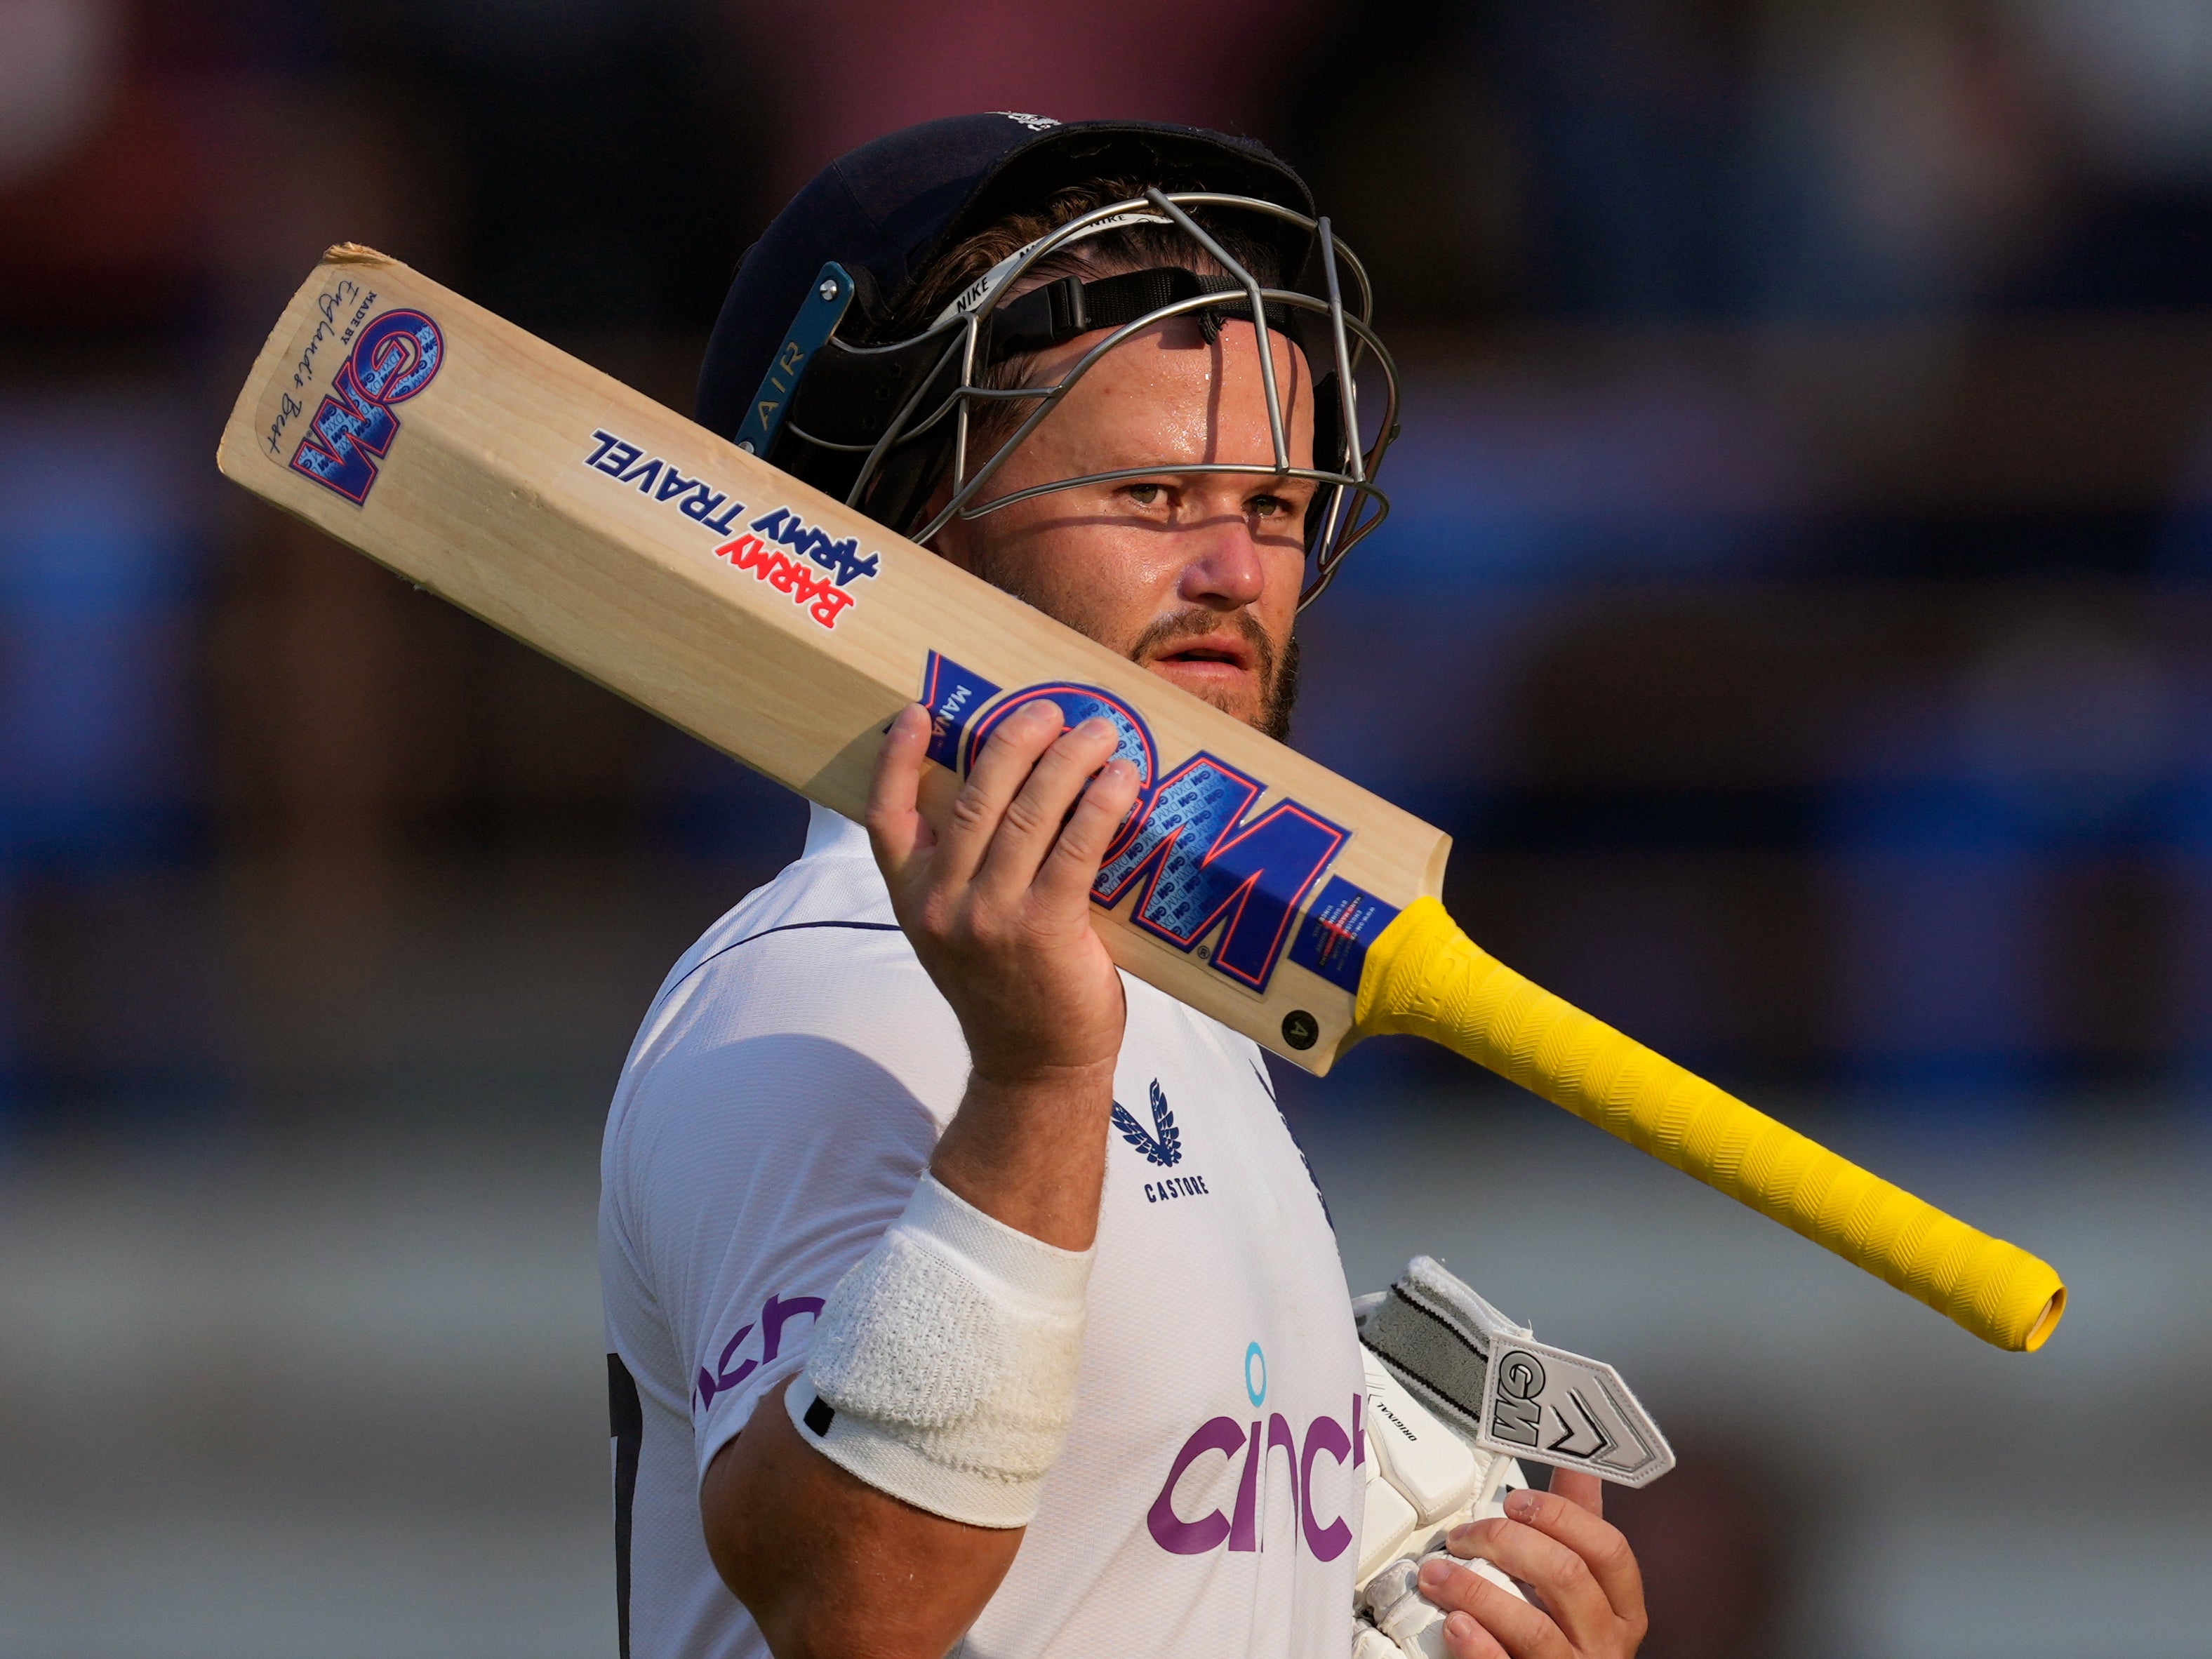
(814, 365)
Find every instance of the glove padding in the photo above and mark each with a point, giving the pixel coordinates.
(1500, 1388)
(1424, 1478)
(1454, 1388)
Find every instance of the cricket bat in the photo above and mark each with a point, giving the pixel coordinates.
(786, 630)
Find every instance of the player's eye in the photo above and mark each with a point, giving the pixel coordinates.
(1267, 507)
(1143, 495)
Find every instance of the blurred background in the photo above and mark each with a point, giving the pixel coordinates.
(1798, 607)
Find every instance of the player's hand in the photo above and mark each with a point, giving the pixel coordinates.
(1559, 1543)
(998, 904)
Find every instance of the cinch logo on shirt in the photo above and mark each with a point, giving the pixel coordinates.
(776, 1313)
(1256, 1443)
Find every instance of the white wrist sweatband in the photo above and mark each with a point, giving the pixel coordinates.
(942, 1368)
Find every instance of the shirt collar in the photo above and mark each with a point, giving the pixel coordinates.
(833, 835)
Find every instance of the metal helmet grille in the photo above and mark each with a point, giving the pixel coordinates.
(947, 396)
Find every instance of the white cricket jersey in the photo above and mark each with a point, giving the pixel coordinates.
(781, 1102)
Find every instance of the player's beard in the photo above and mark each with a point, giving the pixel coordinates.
(1278, 669)
(1278, 666)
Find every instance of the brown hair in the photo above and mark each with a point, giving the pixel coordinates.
(1130, 248)
(1110, 253)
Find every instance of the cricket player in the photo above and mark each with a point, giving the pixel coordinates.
(965, 1294)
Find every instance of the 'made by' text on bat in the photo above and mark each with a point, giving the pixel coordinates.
(785, 629)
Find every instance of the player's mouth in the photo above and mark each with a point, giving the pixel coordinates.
(1227, 660)
(1210, 658)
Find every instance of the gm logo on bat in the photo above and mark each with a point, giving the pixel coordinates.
(394, 357)
(1188, 851)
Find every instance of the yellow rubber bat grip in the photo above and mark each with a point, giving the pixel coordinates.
(1426, 977)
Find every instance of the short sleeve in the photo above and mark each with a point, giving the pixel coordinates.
(752, 1172)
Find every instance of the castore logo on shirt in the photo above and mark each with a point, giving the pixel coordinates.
(1164, 1146)
(1161, 1145)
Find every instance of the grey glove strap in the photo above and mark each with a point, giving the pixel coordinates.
(1490, 1379)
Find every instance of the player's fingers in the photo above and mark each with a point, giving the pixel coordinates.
(1586, 1491)
(1570, 1590)
(1033, 819)
(896, 829)
(1073, 866)
(1524, 1632)
(1465, 1639)
(1570, 1514)
(992, 781)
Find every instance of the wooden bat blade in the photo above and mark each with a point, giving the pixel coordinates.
(785, 629)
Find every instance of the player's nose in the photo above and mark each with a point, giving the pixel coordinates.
(1223, 568)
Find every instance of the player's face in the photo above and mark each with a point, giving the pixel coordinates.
(1194, 575)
